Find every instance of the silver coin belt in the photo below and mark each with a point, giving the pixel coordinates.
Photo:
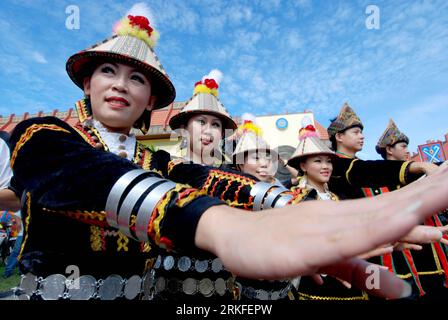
(57, 286)
(261, 294)
(185, 264)
(190, 286)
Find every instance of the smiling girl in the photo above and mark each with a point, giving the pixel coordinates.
(204, 122)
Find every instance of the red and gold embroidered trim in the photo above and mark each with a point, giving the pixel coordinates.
(98, 239)
(184, 196)
(81, 109)
(173, 163)
(90, 217)
(30, 131)
(143, 156)
(27, 223)
(220, 178)
(298, 194)
(89, 137)
(84, 135)
(188, 195)
(157, 216)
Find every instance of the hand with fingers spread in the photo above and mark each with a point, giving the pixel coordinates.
(377, 252)
(401, 246)
(321, 237)
(422, 235)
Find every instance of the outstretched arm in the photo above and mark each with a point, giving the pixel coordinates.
(320, 236)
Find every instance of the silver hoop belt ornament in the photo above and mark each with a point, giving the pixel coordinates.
(119, 216)
(185, 263)
(261, 294)
(267, 196)
(86, 287)
(57, 286)
(191, 286)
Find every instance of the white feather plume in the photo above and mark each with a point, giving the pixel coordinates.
(142, 9)
(214, 74)
(306, 121)
(248, 117)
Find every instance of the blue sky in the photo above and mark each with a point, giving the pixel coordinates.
(276, 56)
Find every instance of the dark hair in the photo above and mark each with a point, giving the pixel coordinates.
(383, 153)
(299, 168)
(295, 163)
(334, 145)
(4, 136)
(333, 138)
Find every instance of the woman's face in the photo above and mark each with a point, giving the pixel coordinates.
(259, 164)
(119, 94)
(318, 168)
(205, 133)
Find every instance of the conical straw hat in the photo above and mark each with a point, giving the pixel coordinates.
(309, 144)
(204, 101)
(250, 138)
(132, 43)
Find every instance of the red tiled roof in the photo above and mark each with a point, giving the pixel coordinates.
(9, 123)
(323, 133)
(158, 119)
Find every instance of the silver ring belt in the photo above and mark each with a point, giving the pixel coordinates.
(190, 286)
(57, 286)
(185, 264)
(261, 294)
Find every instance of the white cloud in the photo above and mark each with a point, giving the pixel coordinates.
(38, 57)
(238, 14)
(301, 4)
(270, 5)
(176, 15)
(246, 40)
(426, 108)
(294, 40)
(214, 25)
